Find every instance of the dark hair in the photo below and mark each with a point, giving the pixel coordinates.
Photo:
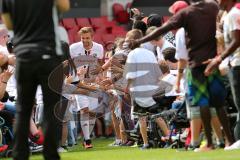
(71, 67)
(140, 25)
(169, 54)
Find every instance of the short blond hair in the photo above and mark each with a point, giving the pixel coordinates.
(86, 30)
(152, 29)
(134, 34)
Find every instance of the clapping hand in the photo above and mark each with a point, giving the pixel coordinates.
(7, 74)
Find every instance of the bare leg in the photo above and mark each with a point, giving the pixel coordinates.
(217, 128)
(206, 120)
(162, 124)
(143, 129)
(225, 124)
(64, 133)
(195, 124)
(33, 127)
(123, 134)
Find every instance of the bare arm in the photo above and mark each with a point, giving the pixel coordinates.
(214, 63)
(235, 43)
(159, 31)
(130, 81)
(182, 63)
(4, 77)
(6, 18)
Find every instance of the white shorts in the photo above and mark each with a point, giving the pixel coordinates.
(86, 102)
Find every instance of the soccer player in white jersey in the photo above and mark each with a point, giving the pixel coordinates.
(87, 47)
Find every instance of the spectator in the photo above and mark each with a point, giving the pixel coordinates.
(38, 50)
(160, 42)
(202, 46)
(232, 48)
(139, 85)
(87, 47)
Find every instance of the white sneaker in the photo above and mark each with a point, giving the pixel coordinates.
(35, 147)
(116, 143)
(61, 150)
(234, 146)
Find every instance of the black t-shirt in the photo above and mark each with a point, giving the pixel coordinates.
(34, 23)
(199, 22)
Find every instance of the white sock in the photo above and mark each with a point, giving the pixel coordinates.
(118, 141)
(85, 126)
(91, 124)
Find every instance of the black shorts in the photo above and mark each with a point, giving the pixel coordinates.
(143, 111)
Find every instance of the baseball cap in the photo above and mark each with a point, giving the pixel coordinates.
(154, 20)
(177, 6)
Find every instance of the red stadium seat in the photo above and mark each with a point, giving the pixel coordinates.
(98, 38)
(69, 23)
(72, 35)
(101, 24)
(122, 17)
(102, 31)
(71, 38)
(121, 34)
(97, 22)
(120, 14)
(108, 38)
(77, 38)
(117, 29)
(83, 22)
(116, 8)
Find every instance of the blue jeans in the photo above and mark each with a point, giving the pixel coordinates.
(234, 79)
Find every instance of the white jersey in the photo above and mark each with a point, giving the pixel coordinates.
(166, 44)
(77, 49)
(97, 51)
